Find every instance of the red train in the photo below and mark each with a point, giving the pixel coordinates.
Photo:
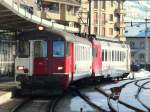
(54, 59)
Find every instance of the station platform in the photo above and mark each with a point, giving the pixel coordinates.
(6, 85)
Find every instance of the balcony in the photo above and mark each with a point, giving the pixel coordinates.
(53, 15)
(119, 25)
(67, 2)
(72, 18)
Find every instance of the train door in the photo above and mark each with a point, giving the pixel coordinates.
(40, 60)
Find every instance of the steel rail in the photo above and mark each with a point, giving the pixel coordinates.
(138, 92)
(20, 105)
(54, 102)
(87, 100)
(119, 101)
(136, 83)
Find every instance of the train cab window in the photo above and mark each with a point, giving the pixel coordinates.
(24, 49)
(58, 48)
(40, 49)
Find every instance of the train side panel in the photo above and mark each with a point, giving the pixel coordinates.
(115, 59)
(83, 60)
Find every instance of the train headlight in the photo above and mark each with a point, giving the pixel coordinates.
(40, 28)
(20, 67)
(60, 68)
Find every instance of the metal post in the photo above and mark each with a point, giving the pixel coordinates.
(89, 29)
(146, 43)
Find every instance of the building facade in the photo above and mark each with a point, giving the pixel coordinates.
(139, 42)
(107, 18)
(60, 11)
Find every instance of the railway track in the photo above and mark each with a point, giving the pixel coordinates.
(142, 87)
(113, 103)
(128, 105)
(54, 102)
(38, 105)
(20, 105)
(87, 100)
(110, 100)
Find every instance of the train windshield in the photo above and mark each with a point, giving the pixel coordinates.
(58, 48)
(40, 49)
(24, 49)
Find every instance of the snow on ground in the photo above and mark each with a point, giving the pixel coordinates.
(140, 74)
(144, 96)
(128, 96)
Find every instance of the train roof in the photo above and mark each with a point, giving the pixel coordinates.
(46, 34)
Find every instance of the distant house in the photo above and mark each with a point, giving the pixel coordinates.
(139, 42)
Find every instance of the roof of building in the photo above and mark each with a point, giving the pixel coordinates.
(137, 30)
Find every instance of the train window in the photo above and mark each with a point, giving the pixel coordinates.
(118, 56)
(78, 58)
(67, 48)
(58, 48)
(112, 55)
(106, 55)
(115, 55)
(40, 49)
(24, 49)
(102, 55)
(94, 52)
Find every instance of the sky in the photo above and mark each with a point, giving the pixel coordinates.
(137, 10)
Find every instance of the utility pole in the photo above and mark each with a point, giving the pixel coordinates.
(89, 16)
(146, 43)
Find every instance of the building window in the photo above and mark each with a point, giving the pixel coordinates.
(112, 3)
(95, 18)
(95, 4)
(111, 17)
(132, 44)
(53, 7)
(103, 18)
(142, 45)
(70, 10)
(103, 31)
(132, 55)
(95, 30)
(141, 56)
(76, 9)
(110, 31)
(103, 4)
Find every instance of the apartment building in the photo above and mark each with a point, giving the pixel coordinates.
(139, 42)
(107, 18)
(60, 11)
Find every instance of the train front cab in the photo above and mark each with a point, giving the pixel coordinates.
(44, 63)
